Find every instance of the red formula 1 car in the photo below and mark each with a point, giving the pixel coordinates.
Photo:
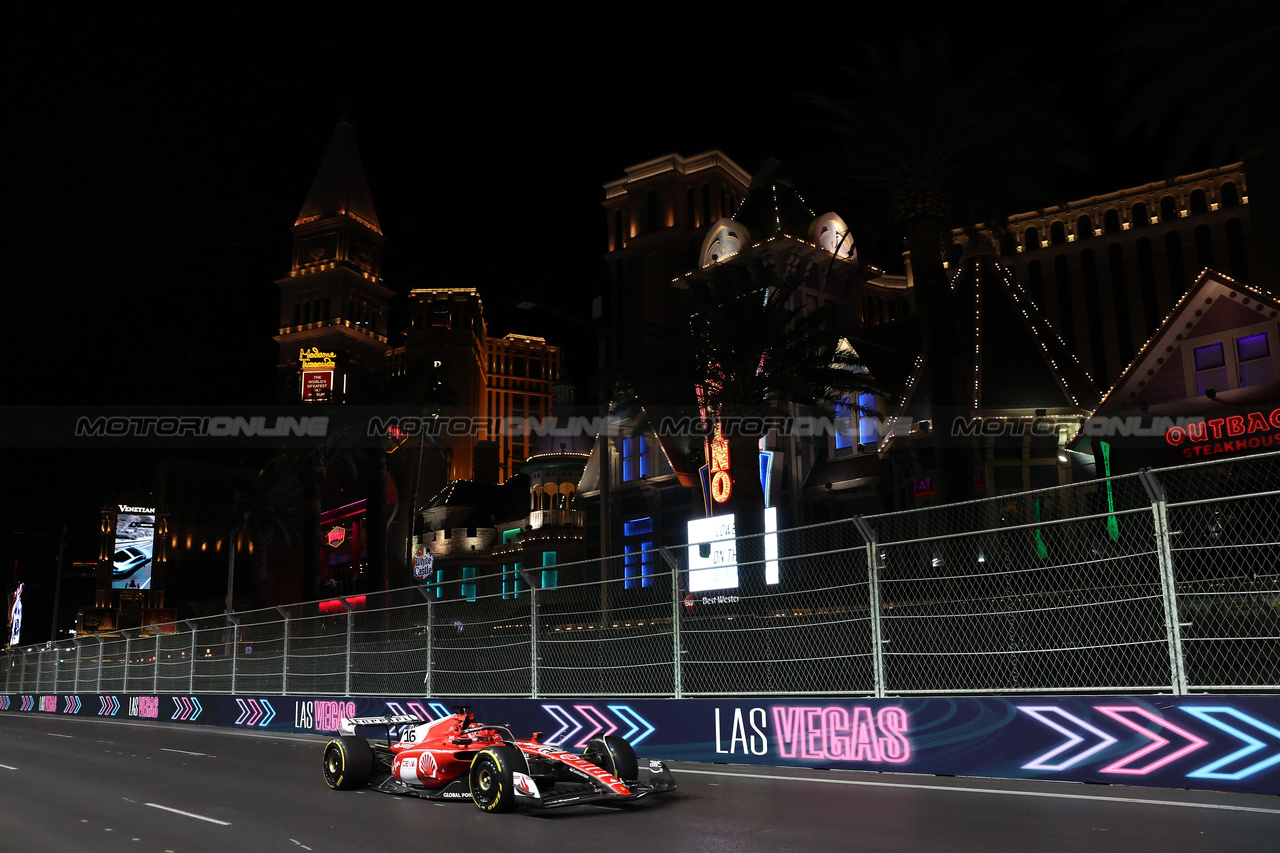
(454, 758)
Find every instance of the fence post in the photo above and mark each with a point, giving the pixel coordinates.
(677, 675)
(235, 641)
(75, 683)
(351, 638)
(128, 658)
(284, 655)
(191, 661)
(533, 630)
(155, 676)
(431, 629)
(1168, 582)
(873, 600)
(102, 647)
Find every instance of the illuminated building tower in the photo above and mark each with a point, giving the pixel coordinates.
(1105, 270)
(657, 217)
(333, 306)
(500, 384)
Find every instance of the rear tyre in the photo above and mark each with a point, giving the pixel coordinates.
(492, 787)
(615, 755)
(348, 763)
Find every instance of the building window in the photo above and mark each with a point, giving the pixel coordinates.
(853, 429)
(1229, 195)
(1084, 228)
(637, 548)
(1254, 355)
(438, 588)
(1111, 221)
(511, 580)
(1168, 209)
(550, 575)
(1138, 215)
(635, 458)
(1057, 233)
(1031, 239)
(1211, 369)
(511, 536)
(469, 583)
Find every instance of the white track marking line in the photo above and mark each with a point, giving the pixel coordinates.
(1006, 793)
(188, 814)
(7, 767)
(183, 751)
(51, 734)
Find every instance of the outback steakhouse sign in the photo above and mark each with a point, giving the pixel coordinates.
(1226, 434)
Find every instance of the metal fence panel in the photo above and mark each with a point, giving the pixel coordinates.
(1165, 580)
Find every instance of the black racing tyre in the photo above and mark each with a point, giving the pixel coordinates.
(348, 763)
(492, 787)
(615, 755)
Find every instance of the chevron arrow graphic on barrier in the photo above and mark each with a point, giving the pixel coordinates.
(1043, 713)
(28, 702)
(250, 712)
(629, 716)
(441, 710)
(600, 726)
(416, 708)
(195, 703)
(271, 713)
(565, 719)
(183, 710)
(72, 706)
(1212, 716)
(108, 706)
(4, 703)
(1121, 714)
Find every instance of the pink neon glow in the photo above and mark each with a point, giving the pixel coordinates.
(1121, 766)
(587, 711)
(833, 733)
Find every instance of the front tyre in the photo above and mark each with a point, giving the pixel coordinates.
(614, 754)
(348, 763)
(492, 786)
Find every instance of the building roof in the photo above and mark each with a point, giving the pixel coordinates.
(1155, 380)
(340, 187)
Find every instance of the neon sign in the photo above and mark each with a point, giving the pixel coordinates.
(721, 482)
(1227, 434)
(336, 536)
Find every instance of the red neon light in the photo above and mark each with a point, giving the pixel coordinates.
(334, 605)
(337, 536)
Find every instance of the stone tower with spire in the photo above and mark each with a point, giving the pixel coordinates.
(333, 305)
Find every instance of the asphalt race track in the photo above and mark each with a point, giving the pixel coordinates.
(97, 785)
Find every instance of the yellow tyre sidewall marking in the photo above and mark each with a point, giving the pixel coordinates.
(496, 782)
(342, 770)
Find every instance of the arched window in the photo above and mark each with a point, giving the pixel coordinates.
(1204, 246)
(1138, 215)
(1031, 239)
(1111, 221)
(1035, 283)
(1008, 244)
(1066, 314)
(1057, 233)
(306, 313)
(1147, 283)
(1229, 195)
(1084, 228)
(691, 211)
(324, 314)
(1173, 257)
(1235, 248)
(297, 314)
(1168, 209)
(651, 211)
(1199, 202)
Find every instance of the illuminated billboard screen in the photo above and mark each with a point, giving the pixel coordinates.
(713, 551)
(135, 542)
(15, 617)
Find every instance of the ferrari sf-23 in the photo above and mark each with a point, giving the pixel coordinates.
(455, 758)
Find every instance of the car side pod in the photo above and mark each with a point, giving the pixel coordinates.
(348, 763)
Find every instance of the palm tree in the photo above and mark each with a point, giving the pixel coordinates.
(264, 508)
(746, 354)
(929, 142)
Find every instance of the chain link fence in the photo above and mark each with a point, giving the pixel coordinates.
(1162, 581)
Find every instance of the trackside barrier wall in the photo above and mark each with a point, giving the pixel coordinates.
(1227, 743)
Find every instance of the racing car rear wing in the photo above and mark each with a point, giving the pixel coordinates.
(347, 726)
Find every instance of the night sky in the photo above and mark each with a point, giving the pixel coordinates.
(155, 168)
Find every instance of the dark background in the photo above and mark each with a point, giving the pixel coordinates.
(156, 163)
